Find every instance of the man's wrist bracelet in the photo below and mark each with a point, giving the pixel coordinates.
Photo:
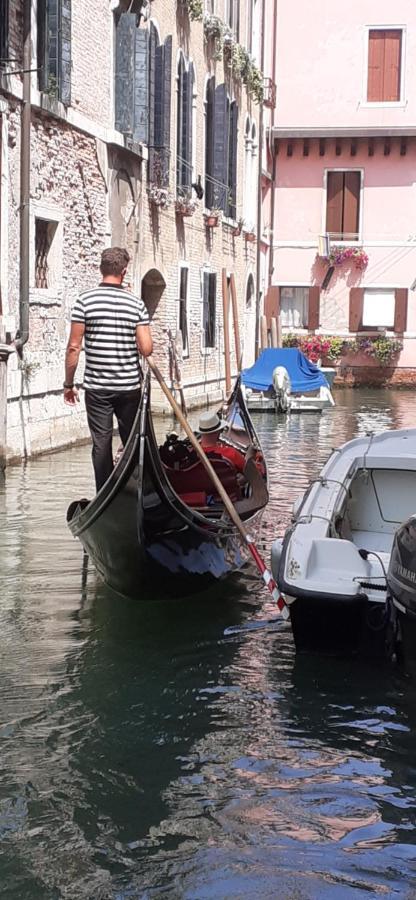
(68, 387)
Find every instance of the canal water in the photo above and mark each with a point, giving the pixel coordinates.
(145, 755)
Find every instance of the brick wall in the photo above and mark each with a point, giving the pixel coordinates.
(75, 164)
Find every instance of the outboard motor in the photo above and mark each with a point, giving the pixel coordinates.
(282, 388)
(401, 581)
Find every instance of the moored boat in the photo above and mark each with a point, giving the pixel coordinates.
(332, 565)
(284, 380)
(158, 514)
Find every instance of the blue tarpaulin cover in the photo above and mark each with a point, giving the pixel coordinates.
(304, 375)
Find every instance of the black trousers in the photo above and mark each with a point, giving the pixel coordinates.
(101, 408)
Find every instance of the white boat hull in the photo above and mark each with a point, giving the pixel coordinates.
(334, 558)
(296, 403)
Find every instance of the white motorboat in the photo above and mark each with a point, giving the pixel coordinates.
(333, 563)
(284, 380)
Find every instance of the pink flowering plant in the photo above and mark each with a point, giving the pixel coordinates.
(355, 255)
(331, 348)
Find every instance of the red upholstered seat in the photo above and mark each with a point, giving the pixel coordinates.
(195, 479)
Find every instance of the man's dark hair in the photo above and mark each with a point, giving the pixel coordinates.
(114, 261)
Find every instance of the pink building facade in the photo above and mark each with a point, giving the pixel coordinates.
(343, 137)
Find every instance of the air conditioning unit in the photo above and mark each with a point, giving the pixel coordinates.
(324, 245)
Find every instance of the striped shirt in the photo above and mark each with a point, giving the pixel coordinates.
(110, 315)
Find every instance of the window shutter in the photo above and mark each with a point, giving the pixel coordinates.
(272, 303)
(4, 30)
(167, 81)
(313, 308)
(124, 80)
(220, 147)
(356, 308)
(212, 299)
(209, 143)
(400, 311)
(232, 163)
(153, 43)
(52, 30)
(65, 54)
(351, 219)
(187, 125)
(375, 66)
(334, 196)
(392, 65)
(205, 308)
(179, 125)
(141, 86)
(183, 313)
(42, 45)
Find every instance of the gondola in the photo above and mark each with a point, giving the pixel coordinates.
(157, 519)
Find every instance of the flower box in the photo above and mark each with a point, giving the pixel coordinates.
(250, 237)
(185, 207)
(212, 220)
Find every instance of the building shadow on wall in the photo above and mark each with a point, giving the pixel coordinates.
(153, 286)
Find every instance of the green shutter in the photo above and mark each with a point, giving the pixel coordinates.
(141, 86)
(220, 162)
(232, 162)
(124, 78)
(65, 53)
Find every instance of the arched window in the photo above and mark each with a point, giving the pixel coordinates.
(247, 172)
(232, 16)
(184, 128)
(225, 143)
(254, 173)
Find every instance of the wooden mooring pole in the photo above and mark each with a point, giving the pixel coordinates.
(226, 324)
(5, 351)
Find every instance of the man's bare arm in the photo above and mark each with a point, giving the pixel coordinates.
(73, 350)
(144, 340)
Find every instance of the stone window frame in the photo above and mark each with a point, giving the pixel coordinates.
(54, 215)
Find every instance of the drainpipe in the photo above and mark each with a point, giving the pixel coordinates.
(259, 202)
(23, 331)
(272, 203)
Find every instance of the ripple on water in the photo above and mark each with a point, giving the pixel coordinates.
(144, 755)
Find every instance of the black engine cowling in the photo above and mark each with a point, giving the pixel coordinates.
(401, 576)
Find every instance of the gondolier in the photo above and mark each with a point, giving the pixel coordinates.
(114, 325)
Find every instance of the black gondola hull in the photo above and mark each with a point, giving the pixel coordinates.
(142, 538)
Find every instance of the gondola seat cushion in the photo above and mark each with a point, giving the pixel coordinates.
(195, 479)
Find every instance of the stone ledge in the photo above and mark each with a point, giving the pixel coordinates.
(380, 376)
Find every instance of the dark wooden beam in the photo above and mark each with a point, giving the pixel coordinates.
(338, 148)
(403, 146)
(321, 146)
(387, 147)
(353, 148)
(306, 147)
(371, 146)
(289, 148)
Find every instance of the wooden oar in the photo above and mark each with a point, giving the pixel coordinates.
(232, 512)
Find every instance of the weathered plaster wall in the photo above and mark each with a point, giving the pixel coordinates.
(322, 75)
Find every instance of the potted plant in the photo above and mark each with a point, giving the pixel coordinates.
(249, 233)
(212, 218)
(339, 255)
(238, 228)
(159, 196)
(185, 206)
(194, 8)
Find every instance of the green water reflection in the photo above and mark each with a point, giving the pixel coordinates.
(144, 755)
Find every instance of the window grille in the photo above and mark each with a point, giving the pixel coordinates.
(42, 247)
